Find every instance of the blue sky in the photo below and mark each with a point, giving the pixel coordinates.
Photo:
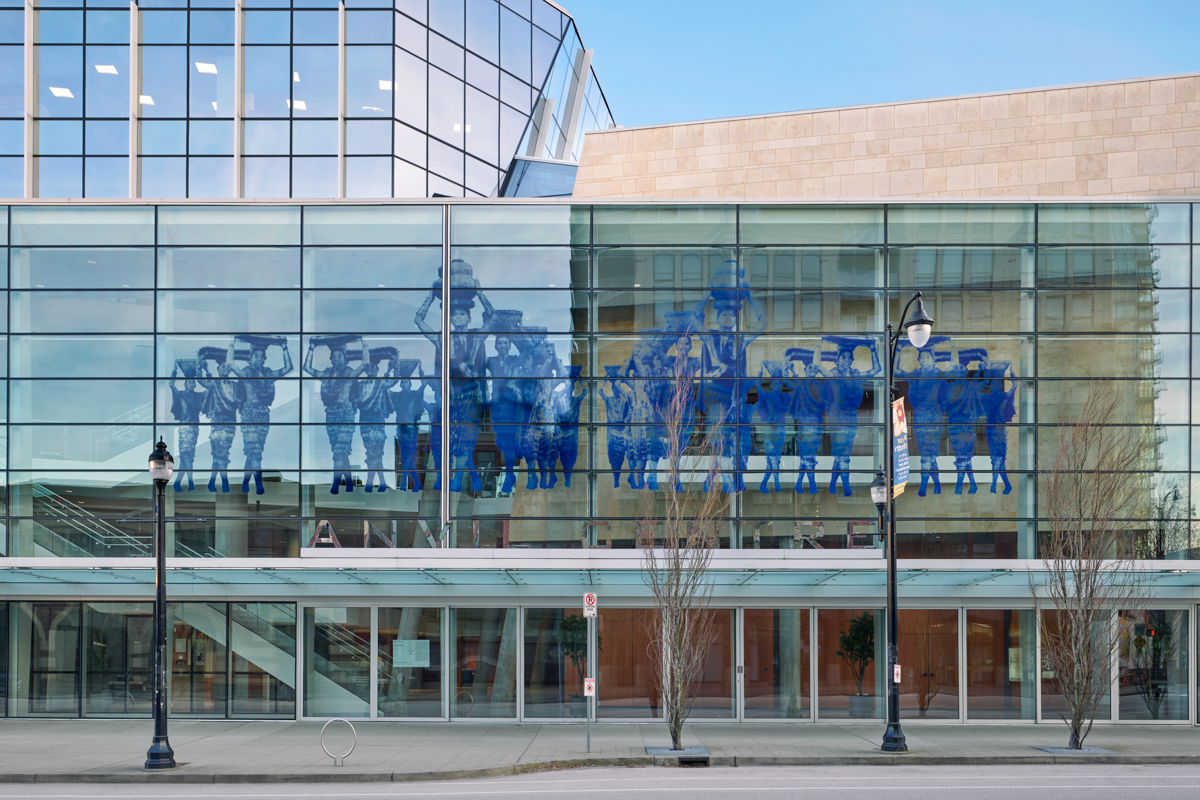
(677, 60)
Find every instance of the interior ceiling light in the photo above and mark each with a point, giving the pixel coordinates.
(210, 69)
(58, 91)
(214, 102)
(371, 108)
(146, 100)
(299, 105)
(295, 77)
(107, 69)
(385, 86)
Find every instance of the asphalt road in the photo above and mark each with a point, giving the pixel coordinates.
(743, 783)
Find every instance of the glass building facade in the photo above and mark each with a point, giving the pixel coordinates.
(407, 436)
(270, 99)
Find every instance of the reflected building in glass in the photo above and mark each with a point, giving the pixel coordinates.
(260, 99)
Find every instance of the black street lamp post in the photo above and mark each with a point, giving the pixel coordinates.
(160, 755)
(918, 327)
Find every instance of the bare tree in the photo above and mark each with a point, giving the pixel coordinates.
(676, 558)
(1091, 574)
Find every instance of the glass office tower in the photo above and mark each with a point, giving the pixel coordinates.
(408, 436)
(259, 99)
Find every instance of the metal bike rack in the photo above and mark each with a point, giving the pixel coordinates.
(338, 760)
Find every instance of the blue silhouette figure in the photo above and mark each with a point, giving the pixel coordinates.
(256, 389)
(999, 407)
(724, 360)
(434, 410)
(808, 412)
(544, 373)
(962, 410)
(773, 406)
(926, 393)
(409, 405)
(186, 406)
(568, 422)
(504, 401)
(682, 370)
(645, 427)
(374, 408)
(845, 395)
(220, 406)
(616, 413)
(338, 394)
(466, 367)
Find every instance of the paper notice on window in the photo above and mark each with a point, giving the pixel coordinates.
(410, 652)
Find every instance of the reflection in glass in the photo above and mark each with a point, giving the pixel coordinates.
(1153, 665)
(556, 650)
(410, 662)
(929, 675)
(46, 661)
(1001, 661)
(337, 662)
(777, 684)
(851, 663)
(198, 659)
(263, 645)
(484, 681)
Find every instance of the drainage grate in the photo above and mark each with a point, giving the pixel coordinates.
(693, 761)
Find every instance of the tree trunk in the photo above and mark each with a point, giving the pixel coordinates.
(791, 656)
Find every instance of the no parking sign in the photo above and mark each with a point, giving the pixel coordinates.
(589, 604)
(589, 687)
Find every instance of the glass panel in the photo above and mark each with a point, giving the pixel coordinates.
(515, 44)
(314, 27)
(556, 658)
(670, 269)
(369, 81)
(1162, 402)
(928, 646)
(1108, 223)
(1153, 665)
(1147, 267)
(118, 648)
(353, 267)
(624, 686)
(1113, 311)
(46, 661)
(1113, 356)
(535, 268)
(960, 224)
(243, 268)
(82, 356)
(90, 268)
(337, 662)
(1054, 705)
(48, 225)
(812, 225)
(410, 662)
(240, 225)
(484, 681)
(69, 312)
(107, 93)
(81, 401)
(976, 267)
(316, 93)
(365, 311)
(60, 81)
(198, 659)
(229, 312)
(210, 84)
(268, 91)
(164, 89)
(1001, 660)
(680, 225)
(263, 641)
(777, 651)
(851, 663)
(779, 268)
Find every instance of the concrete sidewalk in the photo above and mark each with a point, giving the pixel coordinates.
(54, 751)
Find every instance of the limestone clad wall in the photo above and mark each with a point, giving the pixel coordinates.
(1138, 137)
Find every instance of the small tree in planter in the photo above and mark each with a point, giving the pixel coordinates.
(572, 641)
(857, 648)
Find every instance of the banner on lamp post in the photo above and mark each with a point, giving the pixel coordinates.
(899, 448)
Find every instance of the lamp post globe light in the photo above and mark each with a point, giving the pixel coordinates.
(162, 465)
(918, 327)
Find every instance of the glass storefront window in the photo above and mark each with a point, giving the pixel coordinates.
(199, 663)
(1000, 665)
(484, 680)
(624, 685)
(45, 667)
(337, 662)
(1054, 706)
(1152, 668)
(263, 648)
(850, 664)
(777, 656)
(409, 645)
(928, 647)
(556, 662)
(118, 659)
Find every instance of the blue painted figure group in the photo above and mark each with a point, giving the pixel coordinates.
(533, 401)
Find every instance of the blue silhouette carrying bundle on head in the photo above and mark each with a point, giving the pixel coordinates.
(926, 394)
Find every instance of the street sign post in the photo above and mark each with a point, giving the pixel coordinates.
(589, 604)
(589, 690)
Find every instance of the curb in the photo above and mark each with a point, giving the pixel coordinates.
(182, 777)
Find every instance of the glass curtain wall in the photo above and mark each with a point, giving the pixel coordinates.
(1001, 665)
(291, 357)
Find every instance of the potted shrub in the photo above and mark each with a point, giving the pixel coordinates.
(857, 648)
(572, 640)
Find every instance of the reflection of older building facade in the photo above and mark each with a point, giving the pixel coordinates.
(411, 433)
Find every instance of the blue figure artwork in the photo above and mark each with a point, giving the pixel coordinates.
(998, 406)
(539, 435)
(616, 413)
(724, 360)
(682, 369)
(644, 415)
(434, 410)
(220, 406)
(466, 367)
(186, 406)
(808, 412)
(568, 422)
(374, 408)
(773, 406)
(504, 402)
(256, 391)
(409, 405)
(961, 400)
(926, 393)
(845, 395)
(338, 393)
